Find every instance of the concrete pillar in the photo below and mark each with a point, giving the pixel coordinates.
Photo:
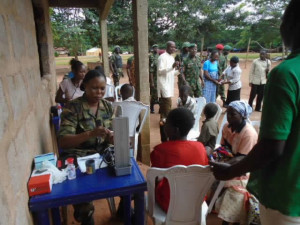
(104, 45)
(140, 29)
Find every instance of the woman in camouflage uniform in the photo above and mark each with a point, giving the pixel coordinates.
(85, 128)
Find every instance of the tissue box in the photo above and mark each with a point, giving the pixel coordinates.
(40, 183)
(39, 159)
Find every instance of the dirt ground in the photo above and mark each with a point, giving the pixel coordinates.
(102, 214)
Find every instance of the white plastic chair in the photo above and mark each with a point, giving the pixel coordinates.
(218, 141)
(110, 91)
(188, 187)
(195, 131)
(218, 114)
(132, 110)
(117, 93)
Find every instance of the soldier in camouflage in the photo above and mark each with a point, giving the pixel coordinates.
(180, 57)
(153, 77)
(85, 129)
(116, 65)
(222, 65)
(192, 72)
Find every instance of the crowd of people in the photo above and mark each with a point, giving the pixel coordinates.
(272, 157)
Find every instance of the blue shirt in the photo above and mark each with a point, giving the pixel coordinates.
(210, 67)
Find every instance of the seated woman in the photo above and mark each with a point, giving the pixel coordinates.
(176, 151)
(69, 88)
(240, 137)
(85, 128)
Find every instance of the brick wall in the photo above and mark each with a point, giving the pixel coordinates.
(26, 94)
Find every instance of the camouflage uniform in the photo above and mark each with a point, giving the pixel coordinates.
(222, 64)
(180, 58)
(192, 71)
(117, 64)
(76, 118)
(153, 69)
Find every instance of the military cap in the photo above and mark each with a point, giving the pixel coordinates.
(186, 44)
(227, 47)
(192, 45)
(155, 46)
(219, 46)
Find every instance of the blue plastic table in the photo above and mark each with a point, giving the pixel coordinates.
(102, 184)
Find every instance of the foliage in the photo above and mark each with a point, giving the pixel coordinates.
(230, 22)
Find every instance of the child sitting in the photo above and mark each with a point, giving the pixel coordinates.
(185, 100)
(126, 92)
(209, 129)
(176, 151)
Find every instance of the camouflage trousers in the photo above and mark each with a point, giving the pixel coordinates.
(116, 76)
(221, 92)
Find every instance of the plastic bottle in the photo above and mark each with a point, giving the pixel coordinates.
(71, 170)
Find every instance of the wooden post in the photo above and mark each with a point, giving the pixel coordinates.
(141, 59)
(104, 46)
(247, 52)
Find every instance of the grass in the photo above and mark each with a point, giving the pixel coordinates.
(64, 61)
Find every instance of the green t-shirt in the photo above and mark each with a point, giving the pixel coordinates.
(277, 185)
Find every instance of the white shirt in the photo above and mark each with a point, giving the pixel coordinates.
(234, 76)
(190, 105)
(165, 75)
(70, 90)
(257, 73)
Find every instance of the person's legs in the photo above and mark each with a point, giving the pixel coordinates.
(252, 94)
(272, 217)
(165, 105)
(83, 213)
(260, 96)
(221, 92)
(233, 95)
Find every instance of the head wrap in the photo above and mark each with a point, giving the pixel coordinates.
(192, 45)
(235, 59)
(227, 47)
(186, 44)
(219, 46)
(242, 107)
(155, 46)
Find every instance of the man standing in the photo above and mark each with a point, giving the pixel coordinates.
(180, 57)
(153, 77)
(165, 83)
(274, 160)
(116, 65)
(130, 70)
(258, 78)
(222, 65)
(192, 71)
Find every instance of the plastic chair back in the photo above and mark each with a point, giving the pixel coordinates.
(110, 91)
(188, 187)
(218, 141)
(132, 110)
(218, 114)
(195, 131)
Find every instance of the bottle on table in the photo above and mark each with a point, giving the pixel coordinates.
(71, 170)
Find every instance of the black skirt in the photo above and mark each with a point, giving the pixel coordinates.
(233, 95)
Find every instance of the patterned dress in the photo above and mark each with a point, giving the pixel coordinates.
(210, 88)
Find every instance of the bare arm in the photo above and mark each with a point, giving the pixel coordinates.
(59, 96)
(263, 153)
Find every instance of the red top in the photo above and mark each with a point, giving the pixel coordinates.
(172, 153)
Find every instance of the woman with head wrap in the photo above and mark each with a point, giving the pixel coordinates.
(240, 137)
(232, 76)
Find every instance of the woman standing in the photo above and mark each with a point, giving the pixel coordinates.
(69, 88)
(232, 76)
(210, 68)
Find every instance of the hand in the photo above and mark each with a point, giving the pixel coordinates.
(175, 64)
(221, 170)
(100, 132)
(202, 84)
(216, 82)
